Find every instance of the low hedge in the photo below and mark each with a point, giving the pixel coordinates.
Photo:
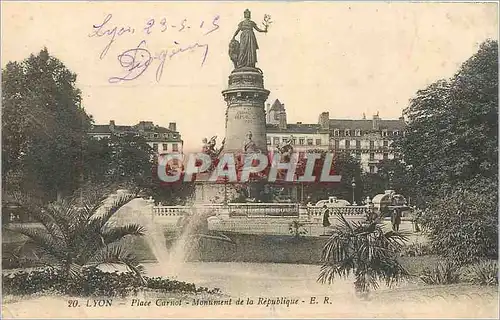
(93, 282)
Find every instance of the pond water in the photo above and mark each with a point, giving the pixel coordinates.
(237, 278)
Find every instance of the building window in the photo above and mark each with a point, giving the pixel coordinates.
(268, 140)
(155, 135)
(175, 147)
(372, 144)
(372, 156)
(358, 133)
(395, 133)
(384, 133)
(318, 142)
(386, 143)
(276, 140)
(164, 146)
(386, 156)
(294, 141)
(347, 144)
(301, 141)
(358, 155)
(372, 169)
(309, 142)
(336, 133)
(336, 144)
(347, 132)
(358, 144)
(155, 147)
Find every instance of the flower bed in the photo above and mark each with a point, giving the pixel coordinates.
(93, 282)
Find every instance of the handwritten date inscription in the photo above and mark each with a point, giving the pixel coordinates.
(136, 60)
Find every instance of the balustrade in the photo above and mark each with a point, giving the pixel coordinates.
(258, 210)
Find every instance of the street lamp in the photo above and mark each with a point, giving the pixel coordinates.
(353, 184)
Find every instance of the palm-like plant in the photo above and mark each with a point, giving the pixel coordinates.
(76, 232)
(296, 228)
(365, 250)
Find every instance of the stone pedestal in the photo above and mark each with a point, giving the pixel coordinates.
(245, 98)
(213, 193)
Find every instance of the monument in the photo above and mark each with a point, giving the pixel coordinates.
(245, 97)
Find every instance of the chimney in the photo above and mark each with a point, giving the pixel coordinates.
(282, 119)
(112, 125)
(324, 120)
(375, 121)
(172, 126)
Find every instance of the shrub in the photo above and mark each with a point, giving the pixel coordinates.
(417, 250)
(463, 226)
(443, 273)
(297, 229)
(93, 282)
(483, 273)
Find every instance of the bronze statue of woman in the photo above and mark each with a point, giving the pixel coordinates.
(247, 55)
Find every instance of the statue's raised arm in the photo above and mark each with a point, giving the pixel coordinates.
(244, 53)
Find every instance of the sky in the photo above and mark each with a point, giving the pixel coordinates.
(345, 58)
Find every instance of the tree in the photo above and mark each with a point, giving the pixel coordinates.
(452, 132)
(75, 232)
(132, 159)
(364, 249)
(344, 165)
(44, 125)
(391, 174)
(463, 225)
(97, 160)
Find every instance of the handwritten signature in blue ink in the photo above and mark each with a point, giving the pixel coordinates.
(104, 30)
(137, 60)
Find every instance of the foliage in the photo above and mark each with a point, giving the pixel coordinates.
(452, 132)
(44, 126)
(296, 228)
(93, 282)
(124, 157)
(75, 231)
(365, 250)
(417, 250)
(462, 226)
(391, 174)
(483, 273)
(443, 273)
(344, 165)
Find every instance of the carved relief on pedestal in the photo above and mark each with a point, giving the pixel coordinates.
(240, 98)
(244, 79)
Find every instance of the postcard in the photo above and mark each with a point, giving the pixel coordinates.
(249, 159)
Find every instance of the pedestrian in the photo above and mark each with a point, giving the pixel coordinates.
(396, 219)
(326, 217)
(416, 219)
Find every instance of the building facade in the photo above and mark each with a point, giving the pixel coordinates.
(161, 139)
(368, 140)
(304, 136)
